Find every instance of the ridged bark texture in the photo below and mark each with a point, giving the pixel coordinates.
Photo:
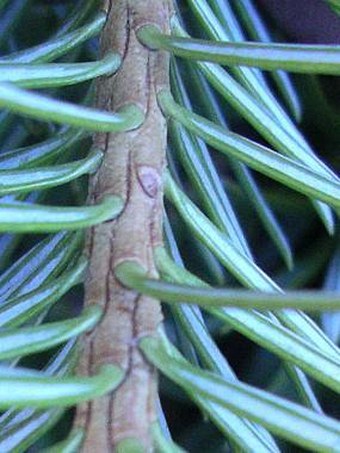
(132, 169)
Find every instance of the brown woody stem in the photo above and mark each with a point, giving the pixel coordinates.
(132, 169)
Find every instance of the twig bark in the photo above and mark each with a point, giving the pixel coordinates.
(132, 169)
